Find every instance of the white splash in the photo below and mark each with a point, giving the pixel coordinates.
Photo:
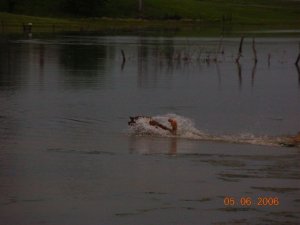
(187, 130)
(185, 127)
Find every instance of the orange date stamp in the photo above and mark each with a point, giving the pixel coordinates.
(248, 201)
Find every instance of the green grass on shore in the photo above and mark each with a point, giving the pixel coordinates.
(120, 14)
(241, 11)
(12, 23)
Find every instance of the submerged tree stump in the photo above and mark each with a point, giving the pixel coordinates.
(240, 50)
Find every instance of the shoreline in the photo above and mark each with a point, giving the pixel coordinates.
(15, 24)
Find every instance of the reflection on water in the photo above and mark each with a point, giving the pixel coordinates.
(253, 74)
(10, 56)
(66, 156)
(89, 57)
(85, 63)
(146, 145)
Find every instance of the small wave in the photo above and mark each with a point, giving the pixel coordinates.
(187, 130)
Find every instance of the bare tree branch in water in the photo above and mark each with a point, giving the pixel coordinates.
(254, 50)
(240, 50)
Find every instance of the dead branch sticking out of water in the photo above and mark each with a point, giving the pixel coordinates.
(123, 55)
(298, 59)
(240, 50)
(202, 55)
(124, 59)
(298, 70)
(254, 50)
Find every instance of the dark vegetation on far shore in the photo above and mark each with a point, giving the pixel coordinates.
(248, 11)
(94, 15)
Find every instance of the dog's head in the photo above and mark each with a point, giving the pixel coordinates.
(133, 120)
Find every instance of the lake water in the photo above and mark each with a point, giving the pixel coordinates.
(67, 155)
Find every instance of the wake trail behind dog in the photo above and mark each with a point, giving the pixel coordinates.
(187, 130)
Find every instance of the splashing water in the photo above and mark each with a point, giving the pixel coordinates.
(187, 130)
(185, 127)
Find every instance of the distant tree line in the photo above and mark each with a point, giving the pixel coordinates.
(83, 7)
(80, 8)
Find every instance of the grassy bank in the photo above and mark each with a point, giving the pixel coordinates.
(214, 16)
(12, 23)
(240, 11)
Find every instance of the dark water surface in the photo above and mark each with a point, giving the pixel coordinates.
(66, 156)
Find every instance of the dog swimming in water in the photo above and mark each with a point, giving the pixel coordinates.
(172, 128)
(156, 124)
